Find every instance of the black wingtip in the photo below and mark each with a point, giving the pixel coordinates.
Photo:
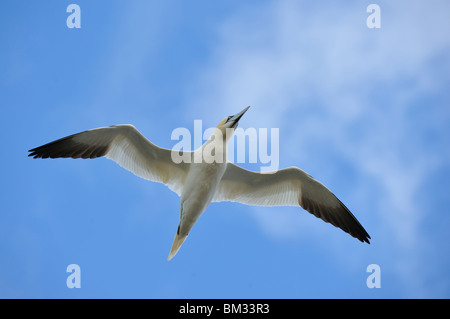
(33, 153)
(364, 238)
(66, 147)
(37, 152)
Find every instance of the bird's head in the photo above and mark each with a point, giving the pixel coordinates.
(230, 123)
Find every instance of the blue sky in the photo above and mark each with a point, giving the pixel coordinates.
(364, 111)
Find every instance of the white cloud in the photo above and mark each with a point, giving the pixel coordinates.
(328, 81)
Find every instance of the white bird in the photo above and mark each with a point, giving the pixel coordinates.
(199, 183)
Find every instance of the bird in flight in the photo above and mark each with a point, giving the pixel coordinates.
(211, 179)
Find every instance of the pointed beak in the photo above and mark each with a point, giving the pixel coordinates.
(235, 118)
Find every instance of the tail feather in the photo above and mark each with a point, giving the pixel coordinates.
(177, 242)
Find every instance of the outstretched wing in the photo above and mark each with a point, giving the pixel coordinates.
(126, 146)
(287, 187)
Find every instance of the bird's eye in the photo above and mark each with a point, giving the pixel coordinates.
(229, 117)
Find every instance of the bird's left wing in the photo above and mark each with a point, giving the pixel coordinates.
(126, 146)
(287, 187)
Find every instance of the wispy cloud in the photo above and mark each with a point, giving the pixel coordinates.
(342, 91)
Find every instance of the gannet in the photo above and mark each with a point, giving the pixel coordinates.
(212, 179)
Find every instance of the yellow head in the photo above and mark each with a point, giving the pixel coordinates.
(228, 124)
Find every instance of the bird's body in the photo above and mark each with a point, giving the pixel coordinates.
(198, 192)
(206, 177)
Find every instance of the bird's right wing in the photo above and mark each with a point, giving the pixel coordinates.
(126, 146)
(287, 187)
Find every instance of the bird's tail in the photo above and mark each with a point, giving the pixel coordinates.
(177, 242)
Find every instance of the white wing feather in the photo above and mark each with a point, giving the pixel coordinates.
(126, 146)
(287, 187)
